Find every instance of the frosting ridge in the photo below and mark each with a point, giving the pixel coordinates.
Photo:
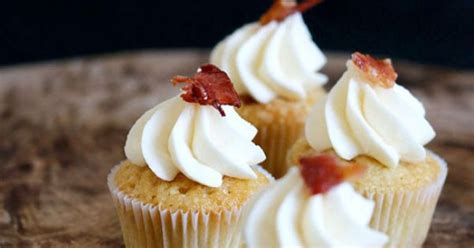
(359, 118)
(177, 136)
(278, 59)
(285, 214)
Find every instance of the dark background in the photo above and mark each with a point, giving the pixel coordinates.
(435, 32)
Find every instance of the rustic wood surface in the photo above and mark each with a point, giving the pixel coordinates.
(63, 125)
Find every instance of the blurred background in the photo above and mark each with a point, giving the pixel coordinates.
(426, 31)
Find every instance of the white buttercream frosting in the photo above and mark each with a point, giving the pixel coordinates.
(358, 118)
(278, 59)
(286, 215)
(176, 136)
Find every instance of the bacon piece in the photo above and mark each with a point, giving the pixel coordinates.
(209, 86)
(378, 71)
(321, 173)
(280, 9)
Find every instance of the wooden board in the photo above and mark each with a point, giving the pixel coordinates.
(63, 126)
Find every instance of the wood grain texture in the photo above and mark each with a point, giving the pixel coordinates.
(63, 126)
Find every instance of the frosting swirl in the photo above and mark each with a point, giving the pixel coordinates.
(360, 118)
(286, 215)
(278, 59)
(177, 136)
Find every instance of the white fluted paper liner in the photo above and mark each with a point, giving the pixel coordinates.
(277, 132)
(405, 216)
(275, 139)
(145, 225)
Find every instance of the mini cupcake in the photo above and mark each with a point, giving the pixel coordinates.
(370, 120)
(184, 183)
(311, 206)
(273, 64)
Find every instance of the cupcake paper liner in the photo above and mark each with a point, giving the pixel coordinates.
(146, 225)
(275, 139)
(279, 126)
(405, 216)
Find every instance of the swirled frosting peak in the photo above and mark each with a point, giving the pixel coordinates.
(187, 134)
(363, 116)
(278, 59)
(287, 215)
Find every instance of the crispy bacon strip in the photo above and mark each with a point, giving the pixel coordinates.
(321, 173)
(280, 9)
(209, 86)
(378, 71)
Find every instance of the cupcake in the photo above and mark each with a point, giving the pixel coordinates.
(273, 64)
(183, 183)
(312, 206)
(370, 120)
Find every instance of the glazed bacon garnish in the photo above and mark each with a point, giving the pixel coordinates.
(280, 9)
(378, 71)
(209, 86)
(321, 173)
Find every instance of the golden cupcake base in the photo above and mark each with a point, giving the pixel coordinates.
(165, 220)
(405, 214)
